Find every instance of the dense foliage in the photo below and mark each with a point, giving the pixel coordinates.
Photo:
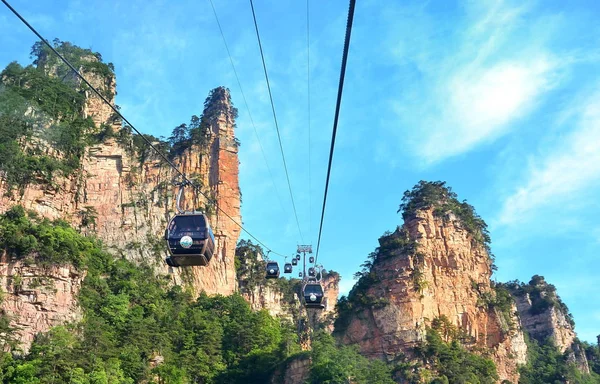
(442, 359)
(335, 364)
(436, 194)
(136, 326)
(546, 365)
(41, 106)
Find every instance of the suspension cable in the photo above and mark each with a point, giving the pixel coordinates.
(337, 114)
(169, 162)
(262, 151)
(275, 118)
(308, 103)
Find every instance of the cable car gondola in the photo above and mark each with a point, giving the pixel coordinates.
(190, 240)
(311, 272)
(311, 259)
(298, 256)
(313, 295)
(189, 237)
(299, 274)
(272, 270)
(287, 268)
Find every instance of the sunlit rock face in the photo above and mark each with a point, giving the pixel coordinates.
(124, 194)
(447, 274)
(552, 322)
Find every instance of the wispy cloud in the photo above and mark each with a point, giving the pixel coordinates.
(570, 166)
(473, 83)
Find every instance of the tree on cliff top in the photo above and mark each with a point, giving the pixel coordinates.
(440, 197)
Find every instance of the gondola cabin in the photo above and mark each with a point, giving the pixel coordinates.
(311, 259)
(299, 274)
(190, 240)
(311, 272)
(294, 262)
(298, 256)
(272, 270)
(313, 295)
(287, 268)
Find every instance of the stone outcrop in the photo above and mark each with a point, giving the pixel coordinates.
(550, 323)
(447, 275)
(38, 298)
(127, 202)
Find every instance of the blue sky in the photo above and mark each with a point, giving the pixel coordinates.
(501, 99)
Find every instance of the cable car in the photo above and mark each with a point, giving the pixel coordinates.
(294, 262)
(272, 270)
(298, 256)
(299, 274)
(287, 268)
(311, 259)
(190, 240)
(313, 295)
(311, 272)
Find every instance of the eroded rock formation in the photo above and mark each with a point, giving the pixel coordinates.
(123, 194)
(38, 298)
(432, 267)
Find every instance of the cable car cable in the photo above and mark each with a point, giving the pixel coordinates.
(131, 125)
(275, 118)
(308, 102)
(337, 114)
(262, 151)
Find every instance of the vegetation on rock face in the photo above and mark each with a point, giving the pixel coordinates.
(136, 326)
(442, 359)
(41, 107)
(443, 200)
(545, 364)
(542, 295)
(250, 272)
(341, 364)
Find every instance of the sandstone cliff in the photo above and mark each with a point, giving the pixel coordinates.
(38, 298)
(122, 192)
(544, 316)
(432, 266)
(280, 297)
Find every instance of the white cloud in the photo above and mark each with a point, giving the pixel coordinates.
(480, 103)
(570, 166)
(472, 82)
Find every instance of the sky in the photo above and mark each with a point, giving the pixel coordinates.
(500, 99)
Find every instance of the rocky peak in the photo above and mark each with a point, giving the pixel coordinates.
(545, 317)
(436, 264)
(111, 186)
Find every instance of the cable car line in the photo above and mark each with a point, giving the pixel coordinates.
(337, 114)
(275, 118)
(262, 151)
(308, 102)
(132, 126)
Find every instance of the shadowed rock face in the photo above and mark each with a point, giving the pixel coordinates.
(127, 204)
(38, 298)
(446, 276)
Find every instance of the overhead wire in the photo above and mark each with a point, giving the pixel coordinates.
(308, 104)
(337, 114)
(162, 155)
(275, 119)
(262, 151)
